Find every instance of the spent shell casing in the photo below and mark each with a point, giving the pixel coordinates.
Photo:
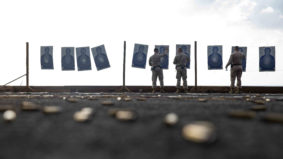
(29, 106)
(171, 119)
(258, 107)
(9, 115)
(107, 103)
(242, 114)
(125, 115)
(72, 100)
(273, 117)
(199, 132)
(81, 116)
(51, 109)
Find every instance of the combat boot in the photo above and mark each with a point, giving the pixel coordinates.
(162, 90)
(178, 90)
(231, 91)
(237, 90)
(153, 90)
(186, 90)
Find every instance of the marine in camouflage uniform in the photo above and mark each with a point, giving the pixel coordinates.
(235, 61)
(181, 59)
(157, 72)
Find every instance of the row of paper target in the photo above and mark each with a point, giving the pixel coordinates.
(214, 54)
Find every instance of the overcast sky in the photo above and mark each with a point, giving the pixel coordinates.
(77, 23)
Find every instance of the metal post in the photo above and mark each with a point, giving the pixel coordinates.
(124, 66)
(124, 88)
(27, 64)
(196, 67)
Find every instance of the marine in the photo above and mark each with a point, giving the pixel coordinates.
(181, 59)
(157, 72)
(235, 61)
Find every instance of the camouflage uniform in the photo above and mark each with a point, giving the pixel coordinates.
(180, 61)
(154, 62)
(235, 61)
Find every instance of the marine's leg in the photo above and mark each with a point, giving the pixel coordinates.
(232, 76)
(239, 76)
(184, 77)
(154, 78)
(161, 80)
(178, 77)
